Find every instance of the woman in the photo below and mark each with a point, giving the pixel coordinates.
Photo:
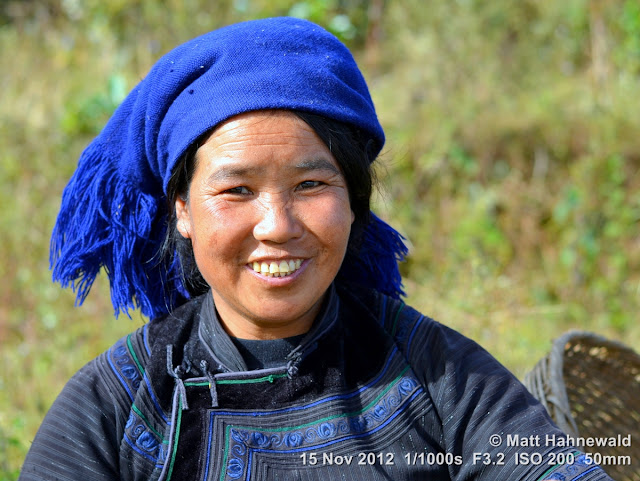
(228, 198)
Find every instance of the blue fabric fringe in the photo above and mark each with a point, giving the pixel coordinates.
(105, 222)
(376, 263)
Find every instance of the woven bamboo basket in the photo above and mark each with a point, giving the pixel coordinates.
(591, 388)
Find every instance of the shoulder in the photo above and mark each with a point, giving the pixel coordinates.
(124, 365)
(98, 412)
(449, 363)
(418, 336)
(442, 358)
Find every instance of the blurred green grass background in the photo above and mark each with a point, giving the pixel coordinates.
(512, 165)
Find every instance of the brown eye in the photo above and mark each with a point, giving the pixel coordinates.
(242, 190)
(309, 184)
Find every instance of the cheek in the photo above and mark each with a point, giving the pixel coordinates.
(216, 229)
(331, 220)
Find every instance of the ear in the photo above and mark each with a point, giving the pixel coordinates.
(183, 217)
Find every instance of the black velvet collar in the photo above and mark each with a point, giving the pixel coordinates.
(226, 355)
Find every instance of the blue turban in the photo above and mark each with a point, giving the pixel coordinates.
(114, 209)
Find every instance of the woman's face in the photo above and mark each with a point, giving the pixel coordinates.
(266, 195)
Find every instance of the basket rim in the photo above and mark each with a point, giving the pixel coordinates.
(556, 357)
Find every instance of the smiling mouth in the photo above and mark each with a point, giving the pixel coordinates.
(277, 269)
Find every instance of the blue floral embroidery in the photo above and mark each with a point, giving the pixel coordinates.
(235, 468)
(143, 440)
(405, 327)
(293, 440)
(244, 441)
(259, 439)
(124, 367)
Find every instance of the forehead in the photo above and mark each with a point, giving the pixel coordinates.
(264, 139)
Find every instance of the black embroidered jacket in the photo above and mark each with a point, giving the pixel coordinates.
(374, 391)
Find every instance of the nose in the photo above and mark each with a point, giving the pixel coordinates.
(278, 222)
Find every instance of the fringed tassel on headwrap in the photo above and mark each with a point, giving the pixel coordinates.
(376, 263)
(106, 223)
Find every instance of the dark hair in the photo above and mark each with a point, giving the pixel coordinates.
(352, 152)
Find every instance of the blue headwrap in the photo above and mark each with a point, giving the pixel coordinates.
(114, 212)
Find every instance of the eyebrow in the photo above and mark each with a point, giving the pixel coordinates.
(228, 172)
(232, 172)
(317, 164)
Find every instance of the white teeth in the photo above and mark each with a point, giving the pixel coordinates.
(273, 269)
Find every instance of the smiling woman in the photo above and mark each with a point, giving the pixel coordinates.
(266, 191)
(228, 198)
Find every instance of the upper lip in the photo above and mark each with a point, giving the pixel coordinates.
(270, 259)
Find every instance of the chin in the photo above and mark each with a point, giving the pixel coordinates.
(281, 313)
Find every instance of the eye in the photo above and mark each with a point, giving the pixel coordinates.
(241, 190)
(309, 184)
